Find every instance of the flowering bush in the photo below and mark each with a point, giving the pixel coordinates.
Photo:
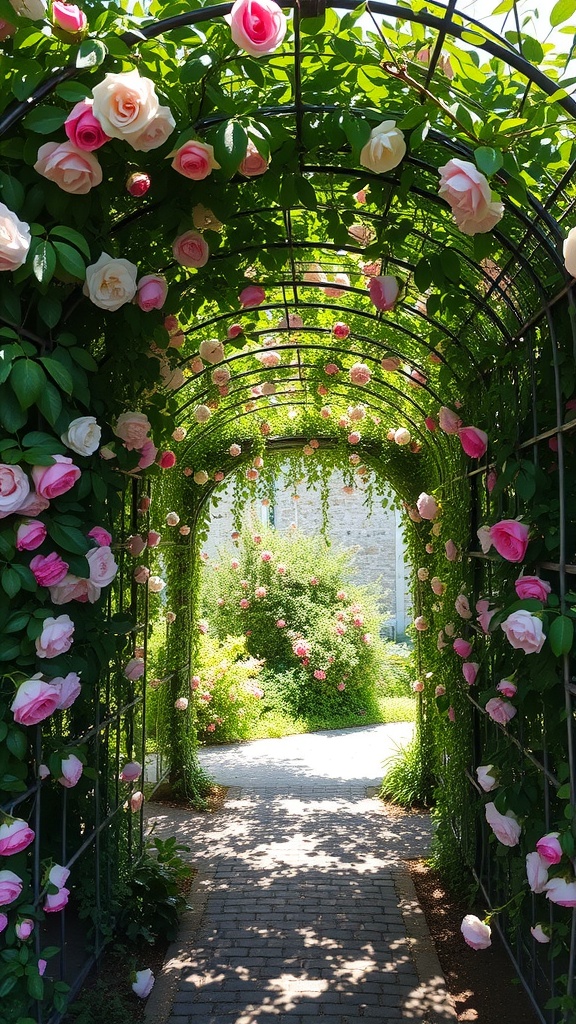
(227, 690)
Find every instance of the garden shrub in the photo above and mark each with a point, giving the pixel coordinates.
(226, 689)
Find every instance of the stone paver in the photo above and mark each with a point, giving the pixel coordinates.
(301, 907)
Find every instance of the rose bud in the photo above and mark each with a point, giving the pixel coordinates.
(138, 184)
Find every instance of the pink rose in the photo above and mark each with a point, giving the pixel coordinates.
(500, 710)
(463, 648)
(167, 460)
(537, 932)
(10, 887)
(468, 193)
(24, 929)
(152, 292)
(470, 671)
(491, 480)
(133, 429)
(195, 160)
(427, 506)
(14, 489)
(58, 875)
(383, 292)
(486, 777)
(234, 331)
(280, 623)
(143, 983)
(449, 421)
(507, 688)
(558, 890)
(69, 688)
(56, 637)
(504, 826)
(421, 623)
(191, 249)
(56, 901)
(48, 569)
(252, 295)
(72, 769)
(51, 481)
(524, 632)
(69, 18)
(138, 184)
(135, 668)
(430, 424)
(476, 933)
(549, 848)
(131, 771)
(253, 163)
(340, 330)
(391, 363)
(15, 836)
(484, 614)
(73, 170)
(462, 607)
(103, 567)
(257, 26)
(153, 538)
(101, 536)
(510, 538)
(473, 441)
(141, 574)
(74, 588)
(136, 801)
(82, 128)
(148, 453)
(532, 586)
(360, 374)
(30, 535)
(35, 700)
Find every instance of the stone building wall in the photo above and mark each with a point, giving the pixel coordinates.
(376, 538)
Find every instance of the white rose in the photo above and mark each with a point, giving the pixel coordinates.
(570, 252)
(155, 133)
(156, 584)
(103, 568)
(15, 240)
(14, 489)
(125, 104)
(212, 351)
(202, 414)
(83, 435)
(110, 283)
(33, 9)
(384, 149)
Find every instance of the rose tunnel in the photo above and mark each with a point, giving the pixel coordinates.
(330, 233)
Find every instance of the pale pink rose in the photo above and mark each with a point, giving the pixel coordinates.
(439, 690)
(135, 545)
(15, 240)
(143, 983)
(48, 569)
(69, 688)
(486, 777)
(537, 932)
(280, 623)
(468, 193)
(135, 668)
(524, 632)
(383, 292)
(73, 170)
(449, 421)
(73, 588)
(56, 901)
(532, 586)
(153, 538)
(58, 875)
(83, 129)
(449, 629)
(30, 534)
(474, 441)
(191, 249)
(56, 637)
(421, 623)
(403, 436)
(484, 614)
(220, 376)
(441, 642)
(462, 647)
(172, 519)
(195, 160)
(470, 671)
(319, 673)
(152, 292)
(354, 437)
(485, 539)
(15, 836)
(252, 474)
(252, 295)
(101, 536)
(427, 506)
(253, 164)
(549, 848)
(360, 374)
(103, 568)
(148, 453)
(558, 890)
(110, 283)
(385, 148)
(136, 801)
(24, 929)
(391, 363)
(451, 551)
(51, 481)
(14, 489)
(244, 603)
(156, 584)
(462, 607)
(72, 769)
(507, 688)
(125, 104)
(476, 933)
(505, 826)
(10, 887)
(155, 133)
(500, 710)
(196, 365)
(417, 686)
(416, 378)
(269, 359)
(437, 586)
(133, 429)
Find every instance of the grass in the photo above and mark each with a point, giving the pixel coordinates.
(274, 724)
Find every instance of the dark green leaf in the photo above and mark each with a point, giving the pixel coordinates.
(49, 403)
(230, 144)
(488, 160)
(58, 373)
(83, 358)
(12, 416)
(16, 743)
(44, 261)
(50, 309)
(45, 120)
(70, 260)
(69, 538)
(27, 380)
(561, 635)
(74, 237)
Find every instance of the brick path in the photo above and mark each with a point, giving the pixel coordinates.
(301, 909)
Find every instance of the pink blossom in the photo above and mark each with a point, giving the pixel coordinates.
(354, 437)
(500, 710)
(244, 603)
(549, 848)
(167, 460)
(331, 369)
(560, 891)
(135, 668)
(462, 606)
(340, 330)
(476, 933)
(449, 421)
(505, 826)
(451, 714)
(137, 799)
(383, 292)
(319, 673)
(439, 690)
(484, 614)
(463, 648)
(469, 195)
(510, 538)
(56, 901)
(252, 295)
(56, 637)
(451, 551)
(532, 587)
(24, 928)
(30, 535)
(427, 506)
(537, 932)
(72, 769)
(474, 441)
(421, 623)
(152, 292)
(360, 374)
(470, 671)
(49, 569)
(15, 836)
(280, 623)
(52, 481)
(101, 536)
(431, 424)
(524, 632)
(83, 129)
(486, 777)
(10, 887)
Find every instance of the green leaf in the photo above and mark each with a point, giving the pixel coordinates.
(16, 743)
(70, 260)
(12, 191)
(78, 565)
(356, 130)
(11, 585)
(562, 11)
(83, 358)
(561, 635)
(91, 53)
(72, 92)
(27, 379)
(44, 261)
(12, 416)
(564, 792)
(69, 538)
(50, 309)
(45, 120)
(74, 237)
(306, 193)
(230, 144)
(488, 160)
(35, 987)
(49, 404)
(414, 117)
(451, 265)
(58, 373)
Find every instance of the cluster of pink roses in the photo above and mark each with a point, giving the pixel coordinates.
(560, 889)
(473, 440)
(17, 496)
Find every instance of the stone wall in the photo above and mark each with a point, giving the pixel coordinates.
(376, 538)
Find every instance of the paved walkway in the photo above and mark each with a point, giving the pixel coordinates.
(301, 907)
